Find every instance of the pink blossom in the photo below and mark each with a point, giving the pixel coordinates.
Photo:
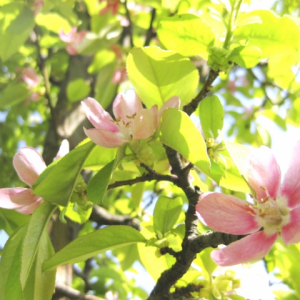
(28, 164)
(73, 39)
(275, 210)
(30, 77)
(110, 296)
(119, 75)
(38, 6)
(112, 5)
(133, 122)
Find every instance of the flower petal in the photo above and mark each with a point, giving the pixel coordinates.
(145, 123)
(262, 170)
(63, 150)
(172, 102)
(126, 105)
(250, 248)
(67, 37)
(105, 138)
(29, 164)
(98, 116)
(14, 198)
(226, 213)
(291, 183)
(29, 209)
(291, 232)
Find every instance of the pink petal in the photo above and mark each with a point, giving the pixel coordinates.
(291, 232)
(67, 37)
(79, 37)
(145, 123)
(127, 105)
(30, 77)
(105, 138)
(98, 116)
(172, 102)
(71, 50)
(15, 198)
(262, 170)
(29, 164)
(63, 149)
(226, 213)
(250, 248)
(29, 209)
(291, 183)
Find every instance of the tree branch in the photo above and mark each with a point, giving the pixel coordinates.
(150, 34)
(130, 24)
(192, 106)
(102, 217)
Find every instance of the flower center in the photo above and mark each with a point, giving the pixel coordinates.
(272, 213)
(126, 126)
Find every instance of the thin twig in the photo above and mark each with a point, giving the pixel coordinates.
(130, 24)
(150, 34)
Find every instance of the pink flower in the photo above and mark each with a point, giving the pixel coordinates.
(112, 5)
(133, 122)
(29, 164)
(38, 6)
(110, 296)
(73, 39)
(275, 210)
(119, 75)
(30, 77)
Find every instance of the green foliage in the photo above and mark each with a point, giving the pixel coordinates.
(165, 215)
(179, 133)
(93, 243)
(158, 75)
(181, 33)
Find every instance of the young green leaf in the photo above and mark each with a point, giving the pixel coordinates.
(32, 238)
(246, 57)
(77, 90)
(10, 266)
(17, 21)
(157, 75)
(186, 34)
(211, 116)
(270, 35)
(13, 94)
(179, 132)
(98, 184)
(40, 285)
(58, 185)
(93, 243)
(166, 213)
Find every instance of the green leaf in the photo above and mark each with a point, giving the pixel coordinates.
(33, 236)
(99, 156)
(186, 34)
(246, 57)
(58, 185)
(40, 285)
(166, 213)
(10, 220)
(17, 21)
(77, 90)
(157, 75)
(93, 243)
(211, 116)
(105, 89)
(10, 266)
(12, 94)
(180, 133)
(53, 22)
(98, 184)
(270, 35)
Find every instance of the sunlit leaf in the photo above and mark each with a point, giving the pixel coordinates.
(211, 116)
(93, 243)
(180, 133)
(77, 90)
(166, 213)
(58, 185)
(157, 75)
(186, 34)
